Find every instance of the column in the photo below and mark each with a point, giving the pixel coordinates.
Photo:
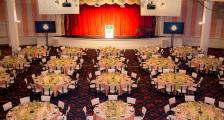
(13, 33)
(205, 32)
(59, 24)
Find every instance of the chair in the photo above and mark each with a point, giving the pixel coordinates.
(63, 89)
(24, 100)
(97, 73)
(90, 75)
(44, 72)
(112, 97)
(87, 117)
(111, 70)
(45, 98)
(172, 101)
(167, 108)
(133, 75)
(95, 101)
(47, 91)
(199, 83)
(182, 71)
(209, 100)
(183, 89)
(57, 71)
(189, 98)
(144, 110)
(166, 70)
(131, 100)
(61, 104)
(169, 88)
(7, 106)
(221, 104)
(124, 72)
(194, 75)
(53, 57)
(112, 89)
(70, 72)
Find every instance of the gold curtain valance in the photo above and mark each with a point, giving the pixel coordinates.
(101, 2)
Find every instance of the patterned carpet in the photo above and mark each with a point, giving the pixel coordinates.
(145, 95)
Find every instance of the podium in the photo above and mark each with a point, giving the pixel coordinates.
(109, 31)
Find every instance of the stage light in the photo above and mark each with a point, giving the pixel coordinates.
(97, 4)
(66, 4)
(151, 6)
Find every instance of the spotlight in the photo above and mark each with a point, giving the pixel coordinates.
(66, 4)
(151, 6)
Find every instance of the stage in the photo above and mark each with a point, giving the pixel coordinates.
(118, 43)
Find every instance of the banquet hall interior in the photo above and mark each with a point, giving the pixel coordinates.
(111, 60)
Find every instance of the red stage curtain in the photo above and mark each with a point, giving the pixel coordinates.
(91, 20)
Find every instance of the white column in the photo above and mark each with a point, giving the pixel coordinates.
(13, 33)
(205, 32)
(59, 24)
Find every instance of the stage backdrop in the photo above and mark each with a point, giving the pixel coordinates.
(92, 20)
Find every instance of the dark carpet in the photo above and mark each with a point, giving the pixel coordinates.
(145, 95)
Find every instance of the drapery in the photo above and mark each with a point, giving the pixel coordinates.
(92, 20)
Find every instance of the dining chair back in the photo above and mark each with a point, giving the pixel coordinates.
(182, 71)
(97, 73)
(144, 110)
(189, 98)
(112, 88)
(221, 104)
(172, 101)
(7, 106)
(124, 72)
(209, 100)
(111, 70)
(194, 75)
(131, 100)
(167, 108)
(24, 100)
(45, 98)
(84, 110)
(166, 70)
(61, 104)
(44, 72)
(134, 75)
(95, 101)
(53, 57)
(112, 97)
(70, 72)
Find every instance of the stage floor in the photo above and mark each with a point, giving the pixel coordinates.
(118, 43)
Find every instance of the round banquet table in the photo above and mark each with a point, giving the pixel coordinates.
(12, 61)
(65, 63)
(110, 51)
(34, 51)
(148, 51)
(160, 62)
(34, 111)
(198, 111)
(117, 79)
(73, 51)
(114, 110)
(175, 79)
(53, 81)
(184, 51)
(110, 62)
(208, 62)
